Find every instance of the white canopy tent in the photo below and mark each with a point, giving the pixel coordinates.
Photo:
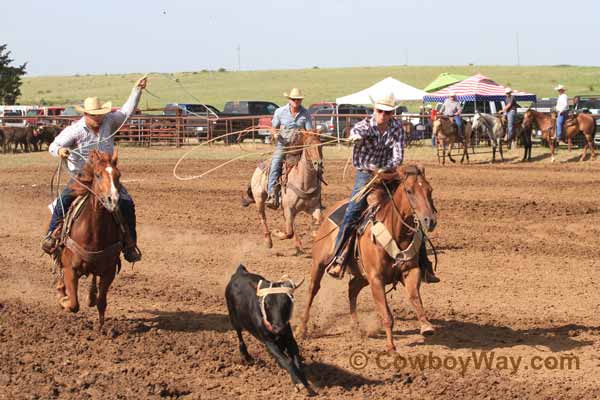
(402, 92)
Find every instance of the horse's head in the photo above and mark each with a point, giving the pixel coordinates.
(418, 199)
(105, 175)
(313, 150)
(476, 120)
(527, 119)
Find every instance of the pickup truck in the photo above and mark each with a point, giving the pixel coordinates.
(236, 116)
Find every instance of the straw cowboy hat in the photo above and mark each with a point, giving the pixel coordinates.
(560, 87)
(295, 93)
(452, 94)
(92, 106)
(385, 102)
(508, 90)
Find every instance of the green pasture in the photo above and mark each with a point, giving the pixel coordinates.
(319, 84)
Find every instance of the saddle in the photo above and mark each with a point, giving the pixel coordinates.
(289, 162)
(63, 234)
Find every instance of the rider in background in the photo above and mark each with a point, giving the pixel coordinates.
(451, 108)
(562, 108)
(510, 110)
(378, 144)
(287, 121)
(94, 132)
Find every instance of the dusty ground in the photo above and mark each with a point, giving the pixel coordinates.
(519, 262)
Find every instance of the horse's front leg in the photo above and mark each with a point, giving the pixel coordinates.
(260, 206)
(70, 302)
(105, 281)
(500, 149)
(317, 218)
(412, 282)
(387, 320)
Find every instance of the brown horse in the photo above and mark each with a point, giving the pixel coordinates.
(93, 243)
(301, 192)
(546, 123)
(446, 133)
(408, 207)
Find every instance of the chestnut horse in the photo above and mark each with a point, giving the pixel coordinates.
(93, 243)
(408, 209)
(446, 134)
(546, 123)
(302, 191)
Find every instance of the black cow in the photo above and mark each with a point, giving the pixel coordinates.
(266, 313)
(21, 135)
(46, 134)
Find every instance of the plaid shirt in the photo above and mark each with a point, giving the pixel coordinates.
(374, 150)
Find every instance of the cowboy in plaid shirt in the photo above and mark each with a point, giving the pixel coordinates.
(379, 145)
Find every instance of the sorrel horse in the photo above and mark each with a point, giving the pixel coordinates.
(446, 133)
(546, 123)
(301, 192)
(93, 243)
(409, 207)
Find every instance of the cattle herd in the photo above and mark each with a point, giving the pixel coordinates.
(27, 138)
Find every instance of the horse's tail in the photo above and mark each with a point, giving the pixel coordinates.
(248, 197)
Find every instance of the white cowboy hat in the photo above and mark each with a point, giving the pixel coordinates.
(452, 94)
(385, 102)
(508, 90)
(295, 93)
(560, 87)
(92, 106)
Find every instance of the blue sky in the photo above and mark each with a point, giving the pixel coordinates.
(69, 37)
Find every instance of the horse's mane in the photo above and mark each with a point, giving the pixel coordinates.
(84, 181)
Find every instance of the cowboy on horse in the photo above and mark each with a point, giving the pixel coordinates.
(562, 110)
(287, 121)
(94, 131)
(379, 145)
(452, 109)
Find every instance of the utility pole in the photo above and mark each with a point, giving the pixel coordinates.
(239, 58)
(517, 45)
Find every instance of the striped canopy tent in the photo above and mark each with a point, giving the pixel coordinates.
(443, 80)
(476, 88)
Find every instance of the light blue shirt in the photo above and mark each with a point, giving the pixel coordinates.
(283, 119)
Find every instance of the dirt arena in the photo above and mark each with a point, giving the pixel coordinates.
(518, 258)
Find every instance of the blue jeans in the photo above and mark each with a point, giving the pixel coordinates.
(354, 209)
(510, 118)
(67, 196)
(458, 122)
(276, 163)
(559, 124)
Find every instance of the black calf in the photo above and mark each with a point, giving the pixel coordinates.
(264, 309)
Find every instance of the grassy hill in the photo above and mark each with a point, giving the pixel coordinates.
(318, 84)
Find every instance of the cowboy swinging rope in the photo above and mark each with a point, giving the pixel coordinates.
(288, 150)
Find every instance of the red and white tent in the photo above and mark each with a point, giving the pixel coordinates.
(478, 87)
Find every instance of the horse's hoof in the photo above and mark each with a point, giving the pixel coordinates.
(391, 348)
(427, 330)
(64, 302)
(299, 252)
(300, 332)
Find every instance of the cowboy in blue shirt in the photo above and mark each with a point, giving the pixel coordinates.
(287, 121)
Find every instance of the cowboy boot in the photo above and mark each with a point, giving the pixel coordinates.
(273, 199)
(49, 244)
(131, 251)
(50, 241)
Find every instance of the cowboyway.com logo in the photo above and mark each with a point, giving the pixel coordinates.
(462, 363)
